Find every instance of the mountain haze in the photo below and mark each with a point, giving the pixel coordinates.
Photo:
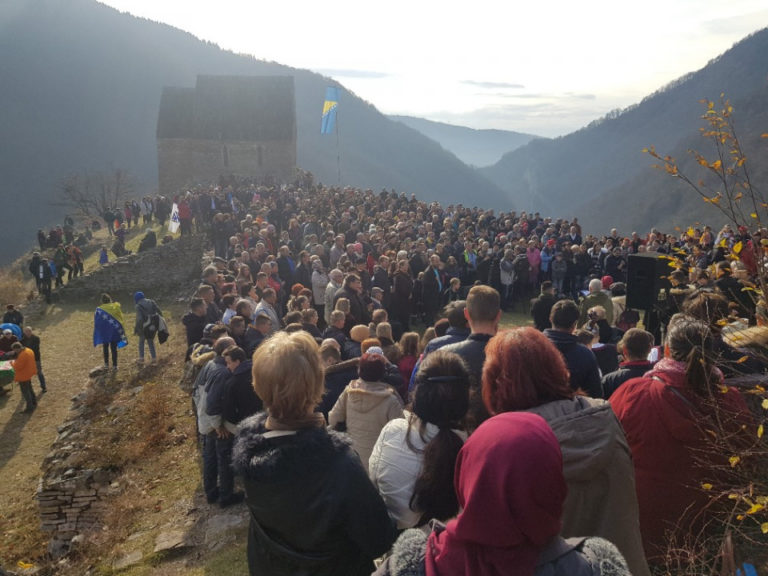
(471, 146)
(80, 91)
(600, 174)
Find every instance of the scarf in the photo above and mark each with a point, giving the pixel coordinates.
(510, 486)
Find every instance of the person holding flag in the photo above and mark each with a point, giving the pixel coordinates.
(108, 329)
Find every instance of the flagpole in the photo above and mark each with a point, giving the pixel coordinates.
(338, 148)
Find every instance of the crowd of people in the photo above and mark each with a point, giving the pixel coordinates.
(345, 360)
(310, 382)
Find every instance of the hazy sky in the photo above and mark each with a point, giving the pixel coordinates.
(546, 68)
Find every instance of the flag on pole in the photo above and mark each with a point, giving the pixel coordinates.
(174, 222)
(329, 110)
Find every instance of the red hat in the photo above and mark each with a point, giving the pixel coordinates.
(607, 281)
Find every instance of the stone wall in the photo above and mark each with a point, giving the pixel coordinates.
(165, 269)
(70, 497)
(185, 162)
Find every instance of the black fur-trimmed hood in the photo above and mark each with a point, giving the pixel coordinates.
(256, 457)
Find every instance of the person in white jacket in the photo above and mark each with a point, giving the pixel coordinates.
(413, 460)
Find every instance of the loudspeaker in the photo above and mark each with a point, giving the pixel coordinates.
(646, 277)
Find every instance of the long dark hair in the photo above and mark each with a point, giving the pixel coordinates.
(441, 398)
(690, 340)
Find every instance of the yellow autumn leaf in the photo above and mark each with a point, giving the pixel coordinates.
(716, 165)
(741, 161)
(740, 517)
(716, 200)
(690, 232)
(765, 403)
(760, 431)
(24, 565)
(703, 162)
(734, 460)
(706, 486)
(733, 496)
(742, 360)
(754, 215)
(722, 322)
(755, 508)
(723, 243)
(765, 135)
(764, 527)
(737, 247)
(738, 196)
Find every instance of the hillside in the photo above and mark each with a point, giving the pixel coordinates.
(599, 172)
(473, 147)
(81, 90)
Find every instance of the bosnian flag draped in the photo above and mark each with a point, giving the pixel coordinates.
(108, 325)
(174, 222)
(329, 110)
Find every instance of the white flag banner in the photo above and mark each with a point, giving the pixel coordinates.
(173, 223)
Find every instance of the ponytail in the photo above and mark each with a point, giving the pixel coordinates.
(433, 494)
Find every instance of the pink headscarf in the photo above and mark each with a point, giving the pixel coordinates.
(510, 485)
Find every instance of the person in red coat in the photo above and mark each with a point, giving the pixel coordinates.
(682, 424)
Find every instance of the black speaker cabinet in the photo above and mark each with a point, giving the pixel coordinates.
(646, 277)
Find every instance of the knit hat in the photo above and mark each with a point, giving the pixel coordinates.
(138, 296)
(607, 281)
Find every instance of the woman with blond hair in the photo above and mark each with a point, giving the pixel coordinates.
(313, 509)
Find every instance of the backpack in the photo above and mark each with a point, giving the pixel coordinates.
(151, 325)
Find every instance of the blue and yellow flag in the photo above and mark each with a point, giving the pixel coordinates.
(329, 110)
(108, 325)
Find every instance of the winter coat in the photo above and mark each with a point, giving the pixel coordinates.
(239, 401)
(24, 365)
(596, 299)
(597, 466)
(581, 362)
(573, 557)
(313, 510)
(144, 309)
(668, 428)
(394, 467)
(213, 373)
(626, 371)
(363, 408)
(337, 377)
(319, 284)
(507, 271)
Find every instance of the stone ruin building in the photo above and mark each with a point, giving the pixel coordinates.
(242, 126)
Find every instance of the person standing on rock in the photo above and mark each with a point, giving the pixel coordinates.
(32, 341)
(108, 329)
(147, 324)
(24, 368)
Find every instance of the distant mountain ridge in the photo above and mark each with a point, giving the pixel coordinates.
(599, 173)
(80, 90)
(472, 146)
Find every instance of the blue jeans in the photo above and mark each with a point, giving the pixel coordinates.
(150, 344)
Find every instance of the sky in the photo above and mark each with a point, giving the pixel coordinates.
(543, 68)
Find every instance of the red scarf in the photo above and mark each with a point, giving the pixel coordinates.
(510, 486)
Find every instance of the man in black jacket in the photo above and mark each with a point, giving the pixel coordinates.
(542, 306)
(635, 346)
(483, 313)
(581, 362)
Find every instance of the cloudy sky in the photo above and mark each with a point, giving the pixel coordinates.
(545, 68)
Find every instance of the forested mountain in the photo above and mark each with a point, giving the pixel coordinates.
(80, 89)
(600, 174)
(471, 146)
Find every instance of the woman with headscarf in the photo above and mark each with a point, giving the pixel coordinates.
(682, 424)
(510, 487)
(413, 460)
(524, 371)
(313, 509)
